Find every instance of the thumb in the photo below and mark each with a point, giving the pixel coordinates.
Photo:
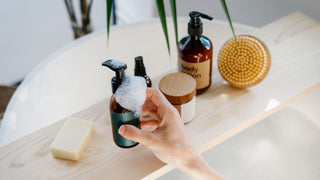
(135, 134)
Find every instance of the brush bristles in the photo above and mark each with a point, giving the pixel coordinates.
(245, 62)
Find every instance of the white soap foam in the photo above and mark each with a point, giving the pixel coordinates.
(117, 63)
(131, 94)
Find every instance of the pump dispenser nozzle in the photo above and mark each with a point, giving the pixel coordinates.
(195, 24)
(139, 69)
(119, 68)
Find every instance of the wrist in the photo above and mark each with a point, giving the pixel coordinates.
(187, 158)
(193, 158)
(191, 163)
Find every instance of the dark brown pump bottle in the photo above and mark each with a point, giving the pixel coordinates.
(118, 114)
(195, 53)
(140, 70)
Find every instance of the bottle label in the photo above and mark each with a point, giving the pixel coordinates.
(199, 71)
(120, 119)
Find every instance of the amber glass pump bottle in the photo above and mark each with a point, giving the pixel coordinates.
(195, 53)
(118, 114)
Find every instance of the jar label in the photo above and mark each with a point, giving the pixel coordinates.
(120, 119)
(199, 71)
(187, 111)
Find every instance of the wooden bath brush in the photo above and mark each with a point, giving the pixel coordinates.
(245, 62)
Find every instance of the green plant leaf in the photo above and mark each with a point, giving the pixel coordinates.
(225, 8)
(174, 17)
(162, 16)
(109, 7)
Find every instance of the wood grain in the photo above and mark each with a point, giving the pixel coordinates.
(179, 88)
(222, 112)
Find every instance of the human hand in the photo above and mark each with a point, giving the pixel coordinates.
(168, 139)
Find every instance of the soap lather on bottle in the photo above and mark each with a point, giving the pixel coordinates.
(118, 114)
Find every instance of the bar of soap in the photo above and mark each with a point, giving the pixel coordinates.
(72, 139)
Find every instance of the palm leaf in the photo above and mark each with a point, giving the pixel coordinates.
(109, 7)
(225, 8)
(162, 16)
(174, 17)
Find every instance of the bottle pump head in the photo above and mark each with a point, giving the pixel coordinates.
(195, 24)
(139, 69)
(119, 68)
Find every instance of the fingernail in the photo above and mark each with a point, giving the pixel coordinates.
(121, 129)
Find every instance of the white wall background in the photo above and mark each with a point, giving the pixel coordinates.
(30, 30)
(251, 12)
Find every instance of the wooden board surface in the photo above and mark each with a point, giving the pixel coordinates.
(223, 111)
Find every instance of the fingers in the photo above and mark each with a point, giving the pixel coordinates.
(150, 124)
(157, 106)
(151, 113)
(156, 97)
(149, 106)
(133, 133)
(157, 102)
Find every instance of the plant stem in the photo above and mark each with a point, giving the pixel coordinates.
(76, 30)
(85, 11)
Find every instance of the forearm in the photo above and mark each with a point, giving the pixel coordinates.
(195, 166)
(168, 140)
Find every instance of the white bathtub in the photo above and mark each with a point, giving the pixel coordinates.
(285, 146)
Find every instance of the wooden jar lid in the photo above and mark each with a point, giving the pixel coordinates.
(179, 88)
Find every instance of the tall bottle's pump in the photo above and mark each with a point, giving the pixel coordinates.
(195, 27)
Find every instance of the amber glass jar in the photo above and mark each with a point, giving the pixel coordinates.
(195, 59)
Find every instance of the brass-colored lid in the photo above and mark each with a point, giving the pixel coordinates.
(179, 88)
(244, 62)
